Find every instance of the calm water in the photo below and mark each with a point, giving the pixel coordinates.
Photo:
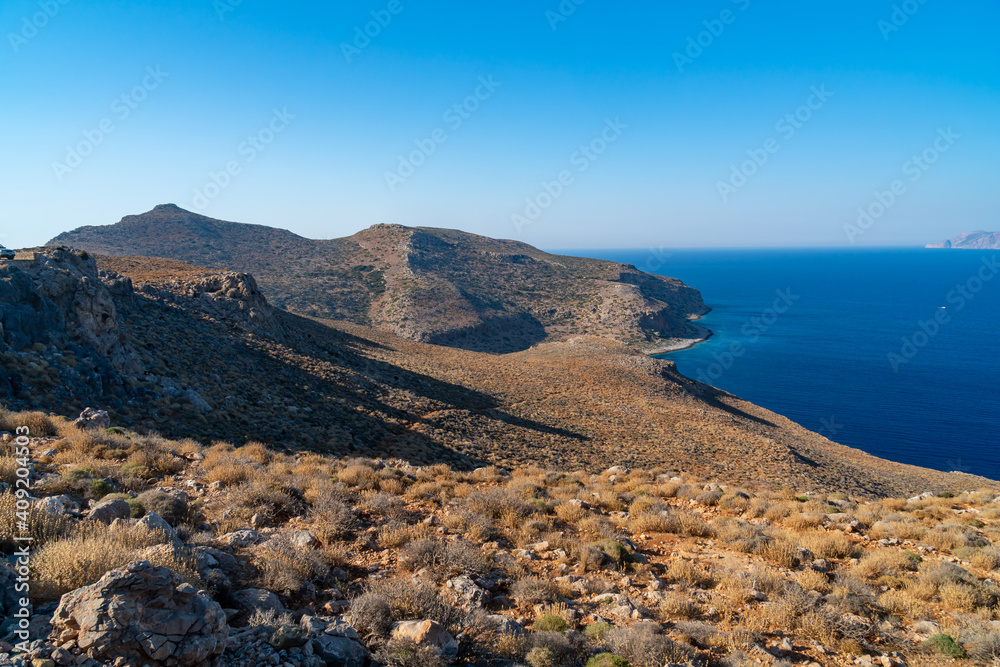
(809, 334)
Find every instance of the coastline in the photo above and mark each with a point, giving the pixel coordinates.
(677, 344)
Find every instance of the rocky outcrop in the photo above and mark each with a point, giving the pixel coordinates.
(60, 293)
(977, 240)
(54, 307)
(231, 298)
(144, 615)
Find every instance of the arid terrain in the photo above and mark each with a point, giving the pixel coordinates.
(251, 486)
(304, 559)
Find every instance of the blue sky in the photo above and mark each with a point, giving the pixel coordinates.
(593, 95)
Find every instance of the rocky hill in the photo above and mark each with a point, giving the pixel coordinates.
(432, 285)
(978, 240)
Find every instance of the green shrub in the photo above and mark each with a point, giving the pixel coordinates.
(551, 623)
(945, 645)
(607, 660)
(615, 551)
(597, 631)
(100, 488)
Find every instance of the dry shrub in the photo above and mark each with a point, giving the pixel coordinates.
(642, 647)
(284, 567)
(829, 545)
(331, 518)
(66, 564)
(776, 513)
(409, 599)
(692, 524)
(905, 529)
(738, 534)
(662, 522)
(265, 498)
(811, 580)
(886, 562)
(38, 423)
(943, 540)
(445, 558)
(674, 607)
(359, 476)
(399, 652)
(383, 505)
(962, 596)
(570, 512)
(43, 527)
(757, 508)
(921, 589)
(803, 522)
(687, 573)
(534, 590)
(395, 534)
(779, 553)
(903, 604)
(599, 526)
(987, 559)
(255, 451)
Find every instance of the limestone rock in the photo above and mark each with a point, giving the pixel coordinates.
(468, 591)
(91, 418)
(107, 511)
(427, 633)
(144, 615)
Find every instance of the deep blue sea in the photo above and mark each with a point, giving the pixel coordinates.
(893, 351)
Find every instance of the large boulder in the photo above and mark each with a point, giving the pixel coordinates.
(91, 418)
(144, 615)
(107, 511)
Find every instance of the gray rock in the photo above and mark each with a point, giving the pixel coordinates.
(143, 615)
(91, 418)
(468, 591)
(153, 521)
(302, 539)
(257, 599)
(197, 401)
(107, 511)
(286, 637)
(340, 651)
(242, 538)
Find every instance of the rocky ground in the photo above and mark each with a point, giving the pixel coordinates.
(153, 552)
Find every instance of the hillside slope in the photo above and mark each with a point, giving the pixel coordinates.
(432, 285)
(219, 363)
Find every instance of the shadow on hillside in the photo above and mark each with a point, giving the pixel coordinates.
(346, 349)
(499, 335)
(713, 397)
(321, 392)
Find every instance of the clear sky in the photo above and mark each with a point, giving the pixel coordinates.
(643, 110)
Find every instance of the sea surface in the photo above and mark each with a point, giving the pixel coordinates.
(893, 351)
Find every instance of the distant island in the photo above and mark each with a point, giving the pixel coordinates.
(977, 240)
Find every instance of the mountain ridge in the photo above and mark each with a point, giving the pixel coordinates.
(433, 285)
